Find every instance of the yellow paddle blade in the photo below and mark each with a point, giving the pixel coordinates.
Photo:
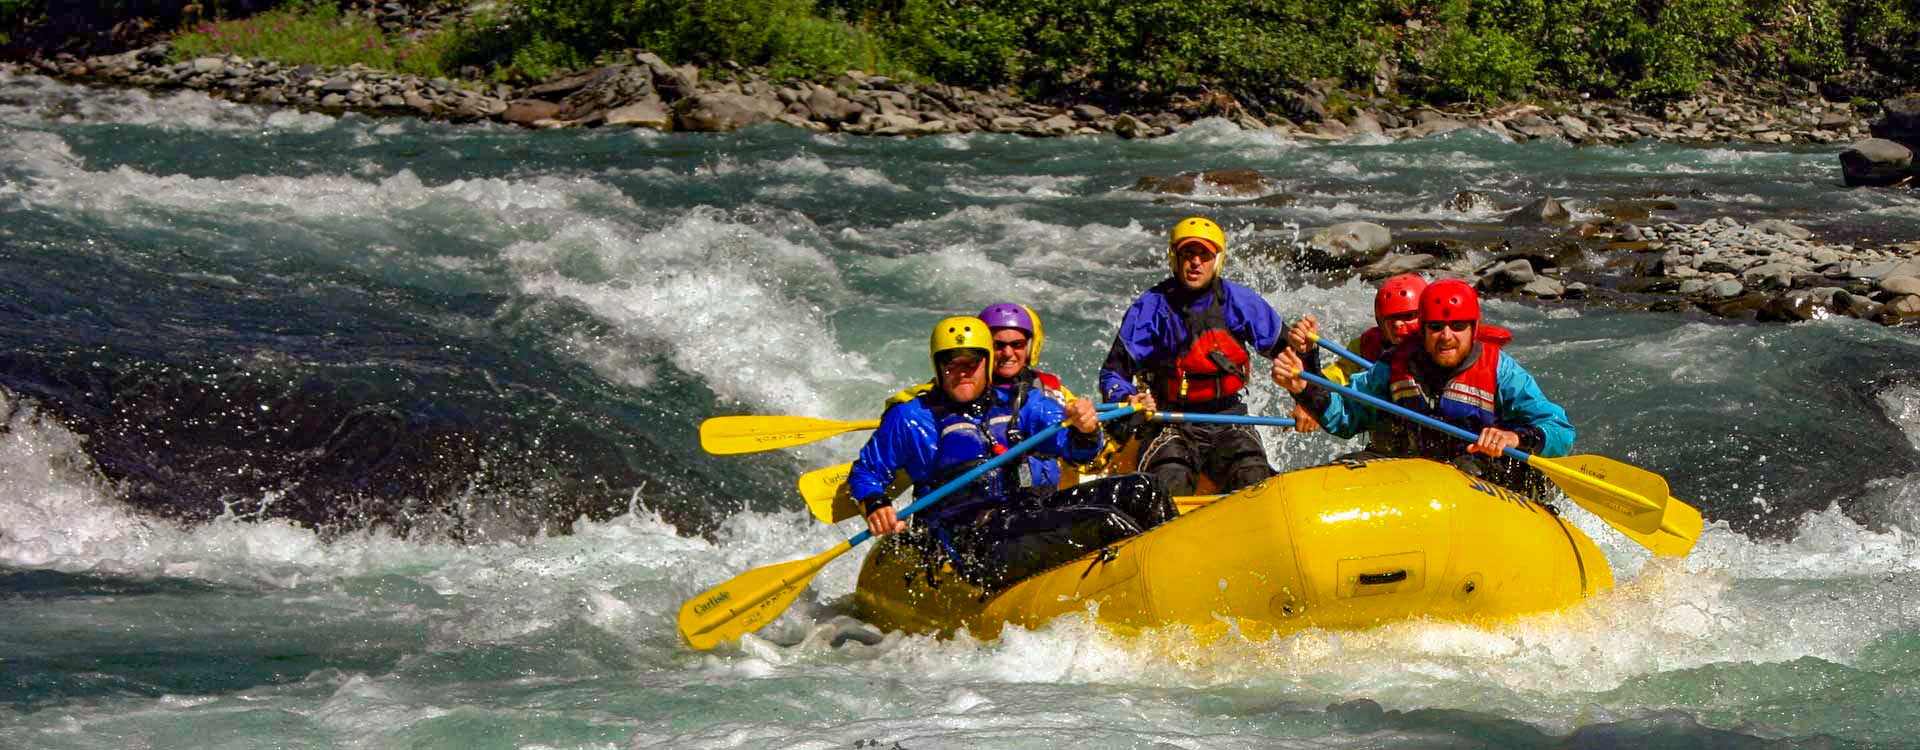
(1679, 530)
(831, 499)
(726, 436)
(1623, 494)
(1634, 501)
(827, 494)
(750, 600)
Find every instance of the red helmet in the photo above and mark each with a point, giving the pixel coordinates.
(1449, 299)
(1400, 294)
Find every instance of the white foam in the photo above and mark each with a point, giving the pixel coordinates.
(57, 512)
(1219, 131)
(38, 99)
(727, 301)
(1015, 186)
(719, 299)
(807, 166)
(1902, 404)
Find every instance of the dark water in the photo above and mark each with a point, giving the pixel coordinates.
(341, 432)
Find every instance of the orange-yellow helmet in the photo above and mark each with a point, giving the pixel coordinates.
(1196, 229)
(959, 332)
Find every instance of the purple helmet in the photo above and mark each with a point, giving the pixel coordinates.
(1010, 315)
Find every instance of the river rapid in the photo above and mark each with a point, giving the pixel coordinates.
(343, 432)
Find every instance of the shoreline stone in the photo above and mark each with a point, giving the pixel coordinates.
(860, 103)
(1770, 271)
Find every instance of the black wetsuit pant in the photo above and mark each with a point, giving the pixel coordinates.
(1175, 454)
(1040, 530)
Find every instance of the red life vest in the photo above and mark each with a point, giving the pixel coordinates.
(1211, 366)
(1495, 335)
(1469, 401)
(1373, 343)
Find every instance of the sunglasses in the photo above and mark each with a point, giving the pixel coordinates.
(963, 361)
(1458, 326)
(1193, 251)
(1016, 345)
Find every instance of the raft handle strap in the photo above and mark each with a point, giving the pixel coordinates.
(1376, 579)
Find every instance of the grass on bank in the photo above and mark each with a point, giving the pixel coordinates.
(317, 33)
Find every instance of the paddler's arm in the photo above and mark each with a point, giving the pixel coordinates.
(1080, 443)
(1085, 439)
(1131, 346)
(1300, 340)
(1542, 425)
(1335, 414)
(897, 444)
(1253, 320)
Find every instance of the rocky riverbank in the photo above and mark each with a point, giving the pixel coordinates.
(1611, 254)
(644, 91)
(1766, 271)
(1769, 271)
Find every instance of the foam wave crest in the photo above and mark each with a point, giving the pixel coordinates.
(722, 299)
(40, 100)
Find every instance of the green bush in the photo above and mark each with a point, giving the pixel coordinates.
(1486, 66)
(962, 43)
(1481, 50)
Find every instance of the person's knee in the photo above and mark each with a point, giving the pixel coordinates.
(1143, 498)
(1173, 477)
(1247, 471)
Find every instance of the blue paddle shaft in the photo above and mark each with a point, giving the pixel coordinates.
(1385, 405)
(1342, 351)
(1174, 416)
(976, 472)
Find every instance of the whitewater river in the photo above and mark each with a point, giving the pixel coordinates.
(339, 432)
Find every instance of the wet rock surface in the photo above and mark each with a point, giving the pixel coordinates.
(1767, 271)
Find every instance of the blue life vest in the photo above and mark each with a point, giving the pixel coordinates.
(967, 437)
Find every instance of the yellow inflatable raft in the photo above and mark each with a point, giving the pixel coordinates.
(1337, 546)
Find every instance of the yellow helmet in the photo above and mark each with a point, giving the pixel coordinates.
(1196, 229)
(959, 332)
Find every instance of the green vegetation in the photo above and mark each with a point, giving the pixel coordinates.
(1444, 50)
(314, 34)
(1116, 50)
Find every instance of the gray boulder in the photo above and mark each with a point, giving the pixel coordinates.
(1781, 228)
(1900, 309)
(1768, 275)
(648, 113)
(720, 112)
(1545, 287)
(1902, 121)
(1435, 126)
(673, 84)
(1875, 162)
(1900, 285)
(1546, 210)
(1394, 264)
(528, 111)
(1351, 243)
(1235, 181)
(830, 107)
(1130, 127)
(609, 87)
(1509, 275)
